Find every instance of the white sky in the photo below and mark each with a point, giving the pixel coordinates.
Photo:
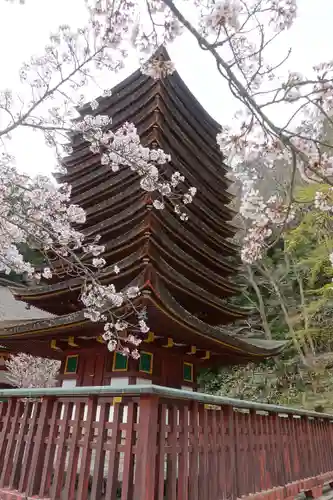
(24, 31)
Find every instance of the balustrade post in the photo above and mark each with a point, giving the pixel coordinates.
(146, 449)
(40, 445)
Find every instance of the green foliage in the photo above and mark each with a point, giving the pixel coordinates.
(295, 285)
(285, 383)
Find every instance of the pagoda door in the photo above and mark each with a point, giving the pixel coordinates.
(93, 370)
(171, 372)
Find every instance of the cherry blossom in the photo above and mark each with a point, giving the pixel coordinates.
(27, 372)
(324, 201)
(158, 69)
(36, 212)
(135, 354)
(144, 328)
(264, 217)
(225, 13)
(99, 262)
(134, 340)
(123, 149)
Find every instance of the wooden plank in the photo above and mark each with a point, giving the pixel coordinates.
(7, 463)
(38, 456)
(113, 461)
(6, 422)
(161, 450)
(295, 456)
(195, 451)
(172, 456)
(146, 451)
(3, 411)
(252, 456)
(300, 447)
(286, 455)
(231, 453)
(272, 449)
(222, 446)
(204, 465)
(84, 475)
(32, 430)
(59, 466)
(74, 452)
(325, 425)
(128, 464)
(98, 470)
(276, 451)
(46, 476)
(329, 441)
(244, 441)
(318, 451)
(16, 470)
(239, 471)
(183, 475)
(214, 465)
(266, 456)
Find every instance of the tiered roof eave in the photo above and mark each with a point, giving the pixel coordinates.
(187, 328)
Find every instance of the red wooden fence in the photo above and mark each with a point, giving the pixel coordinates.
(154, 443)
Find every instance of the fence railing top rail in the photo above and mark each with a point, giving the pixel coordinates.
(155, 390)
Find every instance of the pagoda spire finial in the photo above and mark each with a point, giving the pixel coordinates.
(161, 54)
(159, 65)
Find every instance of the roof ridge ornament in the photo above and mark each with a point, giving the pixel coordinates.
(159, 65)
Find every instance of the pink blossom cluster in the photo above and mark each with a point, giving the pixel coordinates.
(313, 164)
(233, 14)
(246, 142)
(324, 200)
(36, 212)
(282, 12)
(122, 149)
(122, 328)
(131, 22)
(225, 13)
(264, 216)
(158, 69)
(29, 372)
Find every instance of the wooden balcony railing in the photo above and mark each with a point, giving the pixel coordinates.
(155, 443)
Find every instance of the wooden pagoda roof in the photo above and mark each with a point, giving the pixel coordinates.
(52, 336)
(184, 270)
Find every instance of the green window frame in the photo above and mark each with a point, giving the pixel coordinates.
(71, 364)
(188, 372)
(120, 362)
(146, 362)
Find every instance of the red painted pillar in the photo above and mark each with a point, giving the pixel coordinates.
(146, 455)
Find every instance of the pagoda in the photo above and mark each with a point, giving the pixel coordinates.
(185, 270)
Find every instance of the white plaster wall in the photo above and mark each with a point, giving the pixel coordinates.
(186, 388)
(143, 381)
(68, 383)
(119, 381)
